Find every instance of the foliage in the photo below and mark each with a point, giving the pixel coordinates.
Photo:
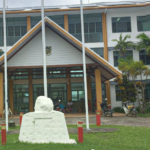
(133, 69)
(138, 69)
(144, 43)
(123, 44)
(128, 92)
(118, 109)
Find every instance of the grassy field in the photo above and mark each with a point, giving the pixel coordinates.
(147, 115)
(126, 138)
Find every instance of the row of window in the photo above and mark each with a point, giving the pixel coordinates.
(142, 56)
(55, 92)
(147, 92)
(123, 24)
(17, 27)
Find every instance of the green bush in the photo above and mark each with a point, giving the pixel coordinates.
(118, 109)
(137, 109)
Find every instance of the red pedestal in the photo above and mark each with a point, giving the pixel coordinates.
(21, 115)
(3, 133)
(80, 132)
(98, 118)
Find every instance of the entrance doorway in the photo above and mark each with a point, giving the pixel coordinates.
(21, 98)
(55, 92)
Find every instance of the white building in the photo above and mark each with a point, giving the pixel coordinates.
(102, 22)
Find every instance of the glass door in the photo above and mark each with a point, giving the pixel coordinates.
(38, 90)
(58, 92)
(21, 99)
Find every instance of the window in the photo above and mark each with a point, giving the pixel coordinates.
(77, 91)
(1, 52)
(143, 23)
(21, 98)
(118, 92)
(56, 72)
(58, 19)
(117, 56)
(76, 72)
(147, 92)
(121, 24)
(58, 91)
(99, 51)
(144, 57)
(51, 73)
(92, 27)
(15, 29)
(93, 90)
(20, 74)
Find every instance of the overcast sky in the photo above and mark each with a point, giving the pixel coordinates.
(32, 3)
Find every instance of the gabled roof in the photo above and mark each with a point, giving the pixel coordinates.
(107, 70)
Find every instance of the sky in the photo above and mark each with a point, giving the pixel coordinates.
(32, 3)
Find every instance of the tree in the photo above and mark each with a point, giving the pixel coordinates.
(138, 71)
(128, 92)
(144, 43)
(123, 44)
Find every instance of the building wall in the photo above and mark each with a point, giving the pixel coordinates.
(119, 12)
(123, 12)
(62, 52)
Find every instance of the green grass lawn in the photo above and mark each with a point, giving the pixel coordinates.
(126, 138)
(147, 115)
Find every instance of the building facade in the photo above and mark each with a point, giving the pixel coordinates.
(64, 64)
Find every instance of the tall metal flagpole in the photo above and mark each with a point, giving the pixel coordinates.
(5, 65)
(44, 49)
(84, 66)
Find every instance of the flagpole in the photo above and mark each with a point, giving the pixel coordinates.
(84, 66)
(44, 49)
(5, 65)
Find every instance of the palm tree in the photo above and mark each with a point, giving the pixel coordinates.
(144, 43)
(123, 44)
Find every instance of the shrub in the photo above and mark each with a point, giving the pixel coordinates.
(118, 109)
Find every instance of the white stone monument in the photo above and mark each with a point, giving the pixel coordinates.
(44, 125)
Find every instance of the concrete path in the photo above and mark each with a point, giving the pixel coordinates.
(117, 119)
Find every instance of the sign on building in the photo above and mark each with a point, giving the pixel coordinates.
(48, 50)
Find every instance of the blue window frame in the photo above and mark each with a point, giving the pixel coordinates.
(92, 27)
(121, 24)
(143, 23)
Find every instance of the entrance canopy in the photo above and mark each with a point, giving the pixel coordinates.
(92, 59)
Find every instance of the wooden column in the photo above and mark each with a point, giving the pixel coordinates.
(68, 85)
(66, 25)
(11, 94)
(104, 27)
(1, 94)
(107, 83)
(28, 23)
(89, 88)
(98, 89)
(30, 91)
(104, 24)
